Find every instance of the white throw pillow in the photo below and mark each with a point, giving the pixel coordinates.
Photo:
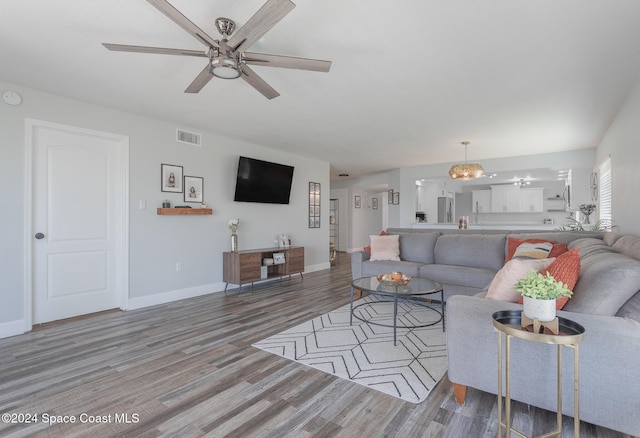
(502, 285)
(385, 247)
(533, 250)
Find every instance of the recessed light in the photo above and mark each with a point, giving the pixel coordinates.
(11, 98)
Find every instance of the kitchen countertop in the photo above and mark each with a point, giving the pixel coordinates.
(521, 226)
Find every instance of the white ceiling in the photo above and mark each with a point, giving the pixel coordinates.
(410, 79)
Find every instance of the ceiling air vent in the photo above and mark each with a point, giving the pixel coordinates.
(187, 137)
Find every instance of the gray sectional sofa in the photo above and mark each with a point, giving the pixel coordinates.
(606, 302)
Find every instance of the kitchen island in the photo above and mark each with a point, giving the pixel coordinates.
(480, 226)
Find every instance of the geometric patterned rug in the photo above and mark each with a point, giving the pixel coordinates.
(364, 353)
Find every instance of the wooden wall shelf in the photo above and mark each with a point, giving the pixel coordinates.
(184, 211)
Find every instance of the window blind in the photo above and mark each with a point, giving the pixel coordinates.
(605, 215)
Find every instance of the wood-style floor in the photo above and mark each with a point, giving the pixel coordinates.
(187, 369)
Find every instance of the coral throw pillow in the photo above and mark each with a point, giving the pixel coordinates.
(502, 285)
(385, 247)
(513, 244)
(368, 247)
(565, 268)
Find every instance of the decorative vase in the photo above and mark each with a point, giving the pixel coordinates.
(234, 242)
(544, 310)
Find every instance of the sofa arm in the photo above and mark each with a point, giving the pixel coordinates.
(609, 354)
(357, 258)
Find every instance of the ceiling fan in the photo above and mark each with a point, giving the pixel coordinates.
(228, 58)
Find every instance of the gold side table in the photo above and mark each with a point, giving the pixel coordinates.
(560, 332)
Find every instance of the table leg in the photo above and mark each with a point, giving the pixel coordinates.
(500, 421)
(576, 392)
(351, 307)
(395, 313)
(442, 306)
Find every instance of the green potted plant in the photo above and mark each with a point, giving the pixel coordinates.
(539, 292)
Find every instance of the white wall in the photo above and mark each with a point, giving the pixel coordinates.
(158, 242)
(621, 144)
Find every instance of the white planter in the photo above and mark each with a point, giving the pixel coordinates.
(544, 310)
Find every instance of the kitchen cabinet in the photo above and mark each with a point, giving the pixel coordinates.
(505, 199)
(481, 201)
(531, 200)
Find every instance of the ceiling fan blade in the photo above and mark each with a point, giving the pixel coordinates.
(257, 82)
(157, 50)
(263, 20)
(286, 62)
(200, 81)
(176, 16)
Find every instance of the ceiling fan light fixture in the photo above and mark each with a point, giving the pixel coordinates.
(225, 68)
(466, 171)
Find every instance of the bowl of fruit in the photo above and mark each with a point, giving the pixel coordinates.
(394, 279)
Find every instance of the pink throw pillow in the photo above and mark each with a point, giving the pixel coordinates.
(502, 285)
(385, 247)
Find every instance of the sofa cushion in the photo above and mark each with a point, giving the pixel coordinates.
(458, 275)
(471, 250)
(631, 309)
(628, 245)
(418, 247)
(606, 282)
(385, 247)
(501, 287)
(374, 268)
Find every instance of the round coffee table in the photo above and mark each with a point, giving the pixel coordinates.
(412, 292)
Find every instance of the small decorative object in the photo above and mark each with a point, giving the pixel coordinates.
(586, 210)
(171, 178)
(394, 279)
(166, 204)
(193, 186)
(284, 241)
(203, 205)
(278, 258)
(233, 226)
(314, 205)
(539, 293)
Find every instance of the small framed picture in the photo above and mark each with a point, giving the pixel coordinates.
(374, 203)
(390, 196)
(193, 186)
(171, 178)
(396, 198)
(278, 258)
(358, 202)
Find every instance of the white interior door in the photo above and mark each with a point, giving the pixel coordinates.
(77, 221)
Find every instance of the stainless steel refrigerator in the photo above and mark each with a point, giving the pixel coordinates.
(445, 210)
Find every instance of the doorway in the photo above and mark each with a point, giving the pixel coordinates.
(77, 234)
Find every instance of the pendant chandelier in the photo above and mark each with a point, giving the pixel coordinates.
(466, 171)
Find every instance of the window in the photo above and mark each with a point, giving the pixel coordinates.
(606, 218)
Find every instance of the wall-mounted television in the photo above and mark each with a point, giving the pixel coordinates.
(263, 181)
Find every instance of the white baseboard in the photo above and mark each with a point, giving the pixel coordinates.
(174, 295)
(318, 267)
(13, 328)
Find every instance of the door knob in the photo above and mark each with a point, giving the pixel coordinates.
(39, 236)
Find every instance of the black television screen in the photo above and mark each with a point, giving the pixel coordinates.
(262, 181)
